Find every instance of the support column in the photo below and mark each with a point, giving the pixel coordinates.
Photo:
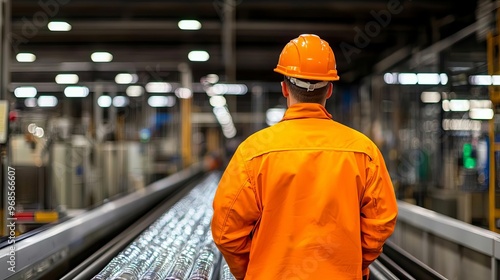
(186, 112)
(257, 106)
(228, 47)
(99, 133)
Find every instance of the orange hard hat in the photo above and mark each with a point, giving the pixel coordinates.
(308, 57)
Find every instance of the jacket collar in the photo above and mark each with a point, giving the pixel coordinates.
(306, 110)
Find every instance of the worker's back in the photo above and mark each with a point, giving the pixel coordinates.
(309, 175)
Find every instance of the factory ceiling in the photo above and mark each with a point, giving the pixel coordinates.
(144, 36)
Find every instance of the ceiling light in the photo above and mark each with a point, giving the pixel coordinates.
(481, 114)
(39, 132)
(444, 78)
(189, 25)
(30, 102)
(408, 78)
(125, 78)
(217, 101)
(59, 26)
(104, 101)
(120, 101)
(459, 105)
(183, 93)
(161, 101)
(430, 97)
(47, 101)
(74, 91)
(481, 104)
(134, 91)
(480, 80)
(428, 78)
(198, 56)
(158, 87)
(212, 78)
(446, 105)
(25, 92)
(101, 57)
(230, 89)
(274, 115)
(67, 79)
(390, 78)
(25, 57)
(229, 134)
(32, 127)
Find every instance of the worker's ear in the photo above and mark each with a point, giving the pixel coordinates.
(330, 90)
(284, 90)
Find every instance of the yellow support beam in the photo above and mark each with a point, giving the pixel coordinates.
(186, 127)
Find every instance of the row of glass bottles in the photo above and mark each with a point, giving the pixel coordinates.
(177, 246)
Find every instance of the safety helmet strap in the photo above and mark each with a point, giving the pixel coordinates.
(307, 85)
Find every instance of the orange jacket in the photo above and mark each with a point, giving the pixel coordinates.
(307, 198)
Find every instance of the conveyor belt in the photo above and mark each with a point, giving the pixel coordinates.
(52, 252)
(172, 242)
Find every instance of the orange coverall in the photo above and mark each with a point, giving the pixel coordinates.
(307, 198)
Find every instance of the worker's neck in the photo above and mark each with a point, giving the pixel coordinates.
(290, 101)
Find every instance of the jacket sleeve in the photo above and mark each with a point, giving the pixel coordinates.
(235, 214)
(378, 210)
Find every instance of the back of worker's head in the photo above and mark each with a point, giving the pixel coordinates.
(309, 66)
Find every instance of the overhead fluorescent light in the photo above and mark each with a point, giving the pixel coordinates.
(134, 91)
(104, 101)
(25, 57)
(481, 114)
(59, 26)
(459, 105)
(230, 133)
(25, 92)
(444, 78)
(158, 87)
(446, 105)
(198, 56)
(75, 91)
(481, 104)
(390, 78)
(480, 80)
(30, 102)
(430, 97)
(161, 101)
(126, 78)
(274, 115)
(408, 78)
(229, 89)
(416, 78)
(428, 79)
(120, 101)
(101, 57)
(39, 132)
(223, 116)
(461, 125)
(218, 101)
(495, 80)
(67, 79)
(189, 25)
(47, 101)
(212, 78)
(183, 93)
(32, 127)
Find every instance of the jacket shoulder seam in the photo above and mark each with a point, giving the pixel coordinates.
(250, 157)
